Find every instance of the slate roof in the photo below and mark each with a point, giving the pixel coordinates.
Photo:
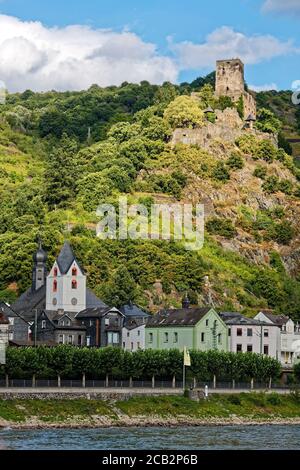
(31, 300)
(132, 323)
(178, 317)
(133, 310)
(95, 312)
(248, 321)
(229, 315)
(278, 320)
(54, 318)
(92, 300)
(66, 258)
(7, 310)
(239, 319)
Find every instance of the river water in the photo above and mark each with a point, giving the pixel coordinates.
(157, 438)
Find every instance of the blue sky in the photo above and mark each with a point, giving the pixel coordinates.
(156, 40)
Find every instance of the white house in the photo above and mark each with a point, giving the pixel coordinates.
(251, 335)
(289, 335)
(4, 334)
(133, 335)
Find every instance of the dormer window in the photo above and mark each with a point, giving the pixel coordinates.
(54, 286)
(55, 272)
(43, 324)
(74, 284)
(74, 271)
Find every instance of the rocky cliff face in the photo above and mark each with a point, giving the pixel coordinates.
(243, 199)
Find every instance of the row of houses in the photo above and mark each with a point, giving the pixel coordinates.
(59, 308)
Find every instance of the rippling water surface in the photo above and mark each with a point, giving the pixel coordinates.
(195, 438)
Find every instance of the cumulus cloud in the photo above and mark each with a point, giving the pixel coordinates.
(226, 43)
(34, 56)
(266, 87)
(282, 6)
(74, 57)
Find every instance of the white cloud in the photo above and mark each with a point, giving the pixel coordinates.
(34, 56)
(226, 43)
(74, 57)
(282, 6)
(266, 87)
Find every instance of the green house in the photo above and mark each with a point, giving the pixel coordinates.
(195, 328)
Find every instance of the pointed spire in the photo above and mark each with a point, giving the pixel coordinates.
(39, 271)
(65, 258)
(186, 301)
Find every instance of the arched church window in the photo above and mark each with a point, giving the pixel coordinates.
(54, 285)
(74, 284)
(55, 272)
(74, 271)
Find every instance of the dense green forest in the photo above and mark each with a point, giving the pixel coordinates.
(61, 154)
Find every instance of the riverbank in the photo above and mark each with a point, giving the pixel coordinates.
(167, 410)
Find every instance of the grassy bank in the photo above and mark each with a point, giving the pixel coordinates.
(248, 408)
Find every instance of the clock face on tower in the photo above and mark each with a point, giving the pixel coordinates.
(54, 301)
(74, 301)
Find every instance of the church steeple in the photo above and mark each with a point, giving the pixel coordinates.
(39, 271)
(66, 283)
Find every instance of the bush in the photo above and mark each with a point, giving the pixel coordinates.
(223, 227)
(265, 150)
(285, 186)
(284, 233)
(274, 399)
(297, 370)
(260, 172)
(235, 162)
(267, 121)
(271, 184)
(166, 184)
(247, 144)
(220, 172)
(234, 399)
(258, 399)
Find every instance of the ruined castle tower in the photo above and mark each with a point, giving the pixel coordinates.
(230, 82)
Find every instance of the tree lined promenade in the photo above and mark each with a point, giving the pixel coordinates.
(113, 363)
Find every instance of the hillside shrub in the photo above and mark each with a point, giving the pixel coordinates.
(260, 172)
(235, 162)
(223, 227)
(220, 172)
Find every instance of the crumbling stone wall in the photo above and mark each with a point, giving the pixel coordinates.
(249, 105)
(228, 127)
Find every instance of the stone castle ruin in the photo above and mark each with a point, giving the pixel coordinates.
(230, 82)
(228, 125)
